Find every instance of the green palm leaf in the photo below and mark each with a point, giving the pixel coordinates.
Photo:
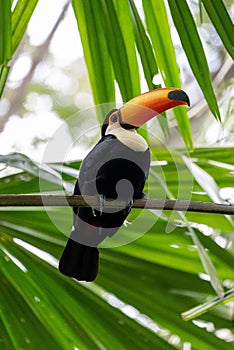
(20, 17)
(193, 48)
(5, 31)
(159, 30)
(144, 48)
(12, 29)
(121, 36)
(5, 41)
(222, 22)
(92, 33)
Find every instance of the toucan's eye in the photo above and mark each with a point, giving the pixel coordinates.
(113, 118)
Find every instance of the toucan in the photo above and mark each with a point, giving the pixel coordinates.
(117, 168)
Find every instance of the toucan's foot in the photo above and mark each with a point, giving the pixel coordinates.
(128, 207)
(101, 200)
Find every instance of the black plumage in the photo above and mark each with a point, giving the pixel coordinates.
(111, 170)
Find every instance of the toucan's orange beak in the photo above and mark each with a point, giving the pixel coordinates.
(142, 108)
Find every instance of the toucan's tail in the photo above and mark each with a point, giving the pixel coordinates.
(79, 261)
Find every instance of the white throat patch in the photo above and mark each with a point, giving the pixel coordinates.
(129, 138)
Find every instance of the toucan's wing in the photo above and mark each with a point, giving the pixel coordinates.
(99, 155)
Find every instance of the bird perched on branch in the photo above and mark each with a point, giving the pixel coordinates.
(117, 167)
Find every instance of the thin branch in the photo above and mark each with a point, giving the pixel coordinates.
(11, 200)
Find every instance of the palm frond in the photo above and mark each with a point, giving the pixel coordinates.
(143, 286)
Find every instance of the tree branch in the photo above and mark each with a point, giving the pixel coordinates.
(11, 200)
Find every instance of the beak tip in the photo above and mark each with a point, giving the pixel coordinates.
(179, 95)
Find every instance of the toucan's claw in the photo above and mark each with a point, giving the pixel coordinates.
(128, 207)
(101, 199)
